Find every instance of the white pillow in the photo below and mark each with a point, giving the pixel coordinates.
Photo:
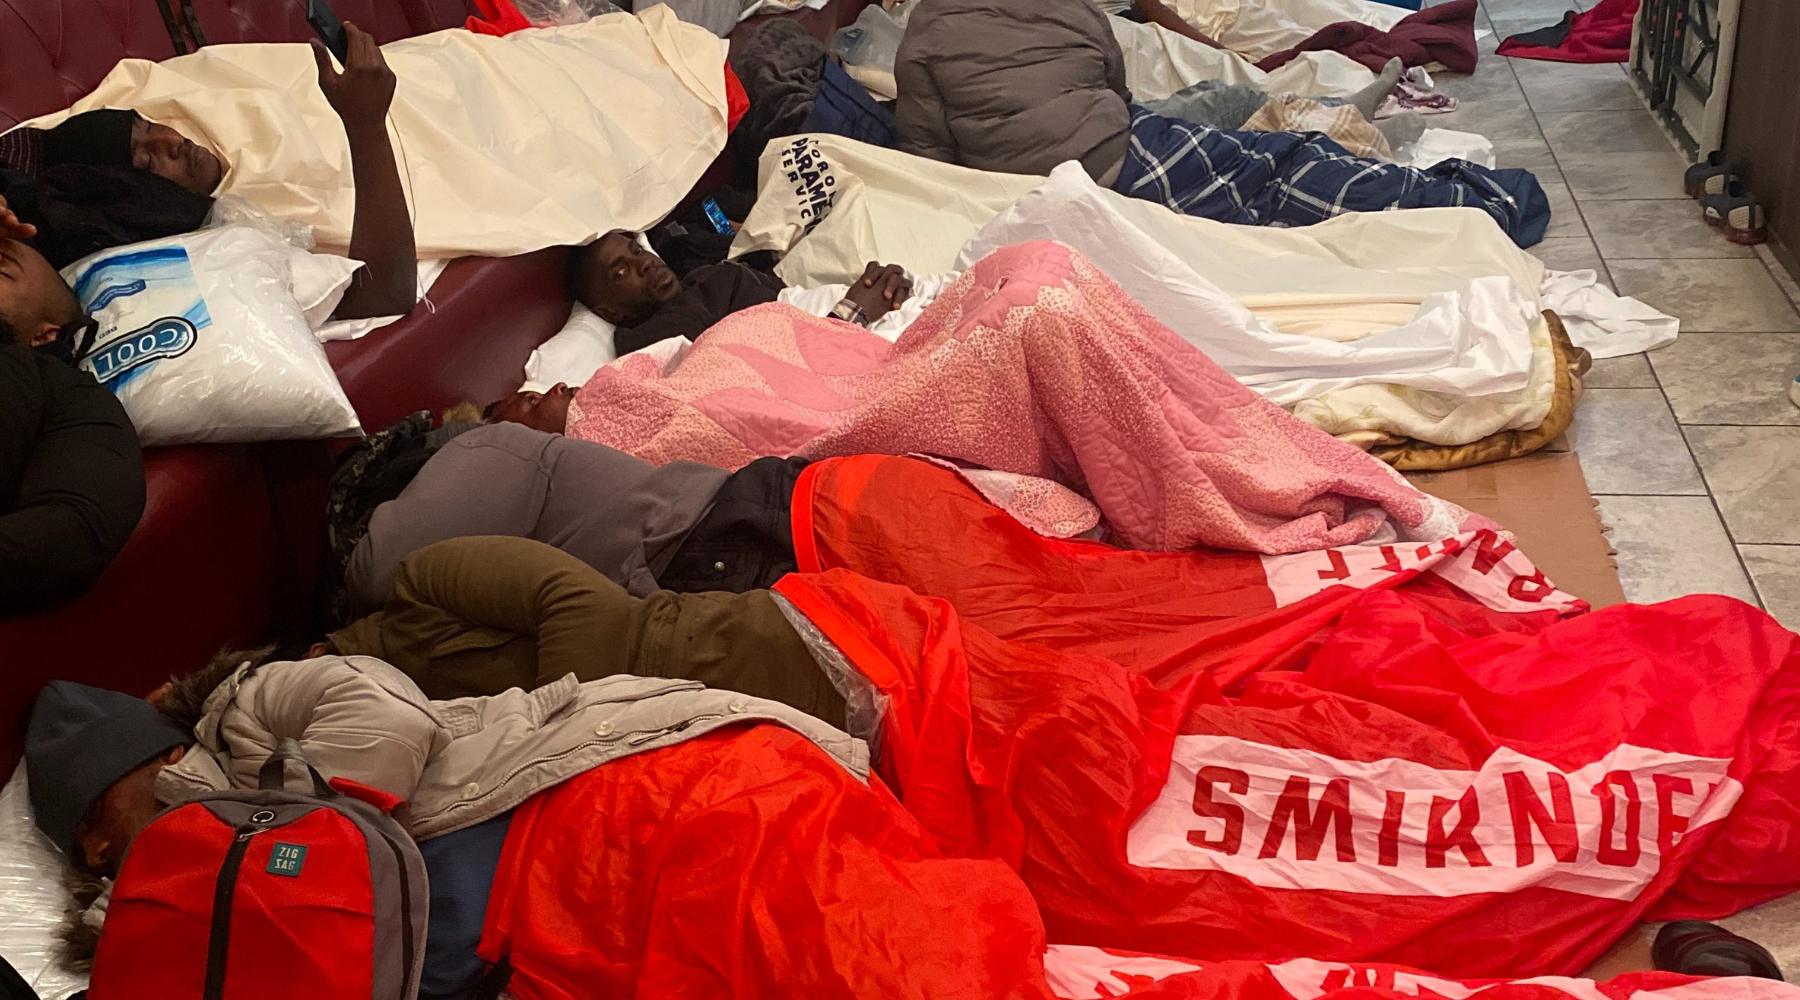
(202, 338)
(583, 347)
(573, 355)
(31, 884)
(308, 289)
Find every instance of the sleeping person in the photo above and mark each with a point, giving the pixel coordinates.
(689, 864)
(629, 286)
(1022, 87)
(1034, 363)
(479, 614)
(106, 178)
(104, 763)
(71, 471)
(1013, 675)
(681, 526)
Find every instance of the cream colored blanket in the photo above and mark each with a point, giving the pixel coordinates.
(1159, 62)
(506, 145)
(1259, 28)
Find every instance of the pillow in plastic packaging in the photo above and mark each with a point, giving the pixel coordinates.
(31, 884)
(202, 337)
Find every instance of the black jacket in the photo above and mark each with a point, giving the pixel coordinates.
(71, 480)
(708, 295)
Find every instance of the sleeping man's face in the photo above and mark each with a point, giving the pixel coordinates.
(120, 814)
(35, 302)
(173, 157)
(545, 411)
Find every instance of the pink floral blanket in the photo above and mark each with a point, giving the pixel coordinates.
(1033, 363)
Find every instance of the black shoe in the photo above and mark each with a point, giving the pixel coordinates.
(1697, 948)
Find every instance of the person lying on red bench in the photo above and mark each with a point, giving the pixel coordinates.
(108, 177)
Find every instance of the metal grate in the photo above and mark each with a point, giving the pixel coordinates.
(1676, 62)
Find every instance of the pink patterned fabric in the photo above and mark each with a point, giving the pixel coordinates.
(1048, 508)
(1033, 363)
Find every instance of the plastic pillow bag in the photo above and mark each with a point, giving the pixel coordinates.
(317, 277)
(202, 339)
(236, 210)
(550, 13)
(32, 885)
(872, 40)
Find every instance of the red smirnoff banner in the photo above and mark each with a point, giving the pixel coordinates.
(1481, 564)
(1294, 819)
(1427, 756)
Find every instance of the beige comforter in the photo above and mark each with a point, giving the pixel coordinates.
(506, 145)
(1259, 28)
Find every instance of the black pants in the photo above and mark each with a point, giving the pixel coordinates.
(746, 541)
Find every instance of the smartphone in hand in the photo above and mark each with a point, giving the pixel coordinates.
(329, 28)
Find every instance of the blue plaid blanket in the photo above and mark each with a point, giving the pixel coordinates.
(1300, 178)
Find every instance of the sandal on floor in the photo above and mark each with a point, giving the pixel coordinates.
(1708, 176)
(1697, 948)
(1736, 212)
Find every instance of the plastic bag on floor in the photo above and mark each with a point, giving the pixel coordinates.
(546, 13)
(873, 40)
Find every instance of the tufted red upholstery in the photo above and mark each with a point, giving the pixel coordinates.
(54, 51)
(285, 20)
(194, 577)
(491, 298)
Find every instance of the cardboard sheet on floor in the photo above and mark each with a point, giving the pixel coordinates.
(1544, 500)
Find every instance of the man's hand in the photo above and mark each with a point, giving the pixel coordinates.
(362, 93)
(881, 289)
(381, 230)
(10, 226)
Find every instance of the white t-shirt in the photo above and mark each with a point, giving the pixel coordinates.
(1114, 6)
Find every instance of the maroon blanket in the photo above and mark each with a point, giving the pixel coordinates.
(1445, 34)
(1600, 35)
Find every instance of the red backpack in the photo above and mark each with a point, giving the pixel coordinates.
(267, 895)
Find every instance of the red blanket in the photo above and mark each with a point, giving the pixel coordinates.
(1415, 754)
(1599, 35)
(747, 864)
(1444, 33)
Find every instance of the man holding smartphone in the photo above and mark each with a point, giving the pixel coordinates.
(128, 145)
(381, 233)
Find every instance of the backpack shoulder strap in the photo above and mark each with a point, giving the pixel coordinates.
(273, 777)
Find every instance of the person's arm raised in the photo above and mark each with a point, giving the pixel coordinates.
(381, 234)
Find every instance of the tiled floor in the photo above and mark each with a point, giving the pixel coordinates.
(1694, 451)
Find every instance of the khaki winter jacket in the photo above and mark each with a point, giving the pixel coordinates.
(475, 616)
(462, 762)
(1013, 85)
